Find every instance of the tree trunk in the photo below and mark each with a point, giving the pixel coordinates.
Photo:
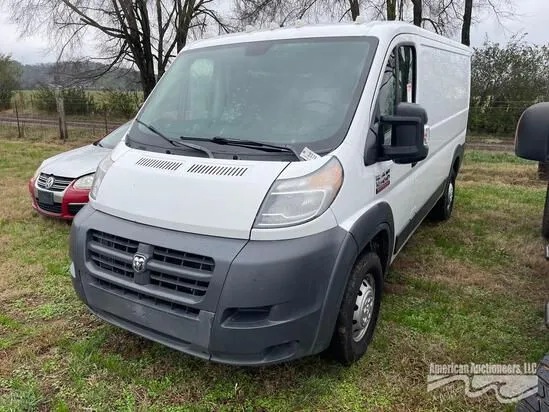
(160, 43)
(148, 79)
(418, 12)
(466, 29)
(355, 9)
(391, 9)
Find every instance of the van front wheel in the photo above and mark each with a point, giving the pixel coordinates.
(359, 310)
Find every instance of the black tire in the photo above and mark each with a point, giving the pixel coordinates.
(347, 346)
(443, 208)
(538, 402)
(545, 221)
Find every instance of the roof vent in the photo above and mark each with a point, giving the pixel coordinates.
(217, 170)
(158, 163)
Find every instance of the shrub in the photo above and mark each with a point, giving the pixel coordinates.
(76, 101)
(120, 103)
(10, 73)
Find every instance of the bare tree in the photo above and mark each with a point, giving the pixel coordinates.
(418, 12)
(143, 33)
(467, 18)
(391, 9)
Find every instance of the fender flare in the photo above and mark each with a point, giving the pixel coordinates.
(375, 220)
(459, 152)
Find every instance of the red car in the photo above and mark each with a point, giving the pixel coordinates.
(61, 185)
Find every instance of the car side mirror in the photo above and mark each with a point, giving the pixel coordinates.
(407, 134)
(532, 136)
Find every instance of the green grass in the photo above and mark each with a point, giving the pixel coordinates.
(468, 290)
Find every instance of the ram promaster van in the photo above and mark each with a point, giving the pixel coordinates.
(254, 206)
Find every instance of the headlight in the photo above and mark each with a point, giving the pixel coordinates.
(105, 165)
(85, 182)
(298, 200)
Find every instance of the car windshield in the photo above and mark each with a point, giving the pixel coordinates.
(114, 137)
(279, 92)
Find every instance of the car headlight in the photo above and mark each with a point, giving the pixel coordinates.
(85, 182)
(298, 200)
(105, 165)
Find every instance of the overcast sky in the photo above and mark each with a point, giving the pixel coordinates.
(531, 18)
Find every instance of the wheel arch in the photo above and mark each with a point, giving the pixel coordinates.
(374, 230)
(457, 159)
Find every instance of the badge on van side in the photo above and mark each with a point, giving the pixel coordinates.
(383, 180)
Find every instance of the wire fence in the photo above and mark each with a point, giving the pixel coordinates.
(38, 115)
(35, 115)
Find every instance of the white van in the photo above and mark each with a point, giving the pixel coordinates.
(253, 208)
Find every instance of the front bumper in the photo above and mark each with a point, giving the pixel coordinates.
(66, 204)
(266, 302)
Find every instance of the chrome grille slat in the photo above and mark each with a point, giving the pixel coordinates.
(60, 183)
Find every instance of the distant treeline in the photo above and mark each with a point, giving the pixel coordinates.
(82, 74)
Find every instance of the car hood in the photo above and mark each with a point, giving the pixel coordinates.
(76, 162)
(215, 197)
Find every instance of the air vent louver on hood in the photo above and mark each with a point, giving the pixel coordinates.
(217, 170)
(158, 163)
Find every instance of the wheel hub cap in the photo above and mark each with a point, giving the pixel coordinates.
(450, 195)
(364, 308)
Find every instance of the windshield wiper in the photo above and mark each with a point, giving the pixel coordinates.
(252, 144)
(176, 143)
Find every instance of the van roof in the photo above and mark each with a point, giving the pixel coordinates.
(384, 30)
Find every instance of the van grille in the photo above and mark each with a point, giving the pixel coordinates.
(158, 303)
(169, 270)
(59, 183)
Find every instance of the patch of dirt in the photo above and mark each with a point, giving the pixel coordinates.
(525, 175)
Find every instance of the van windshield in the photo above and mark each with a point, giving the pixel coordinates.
(291, 92)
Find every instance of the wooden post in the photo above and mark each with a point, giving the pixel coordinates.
(63, 133)
(106, 124)
(543, 170)
(19, 134)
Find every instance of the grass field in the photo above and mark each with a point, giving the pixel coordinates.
(469, 290)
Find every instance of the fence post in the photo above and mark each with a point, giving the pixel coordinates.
(543, 170)
(63, 133)
(19, 134)
(106, 125)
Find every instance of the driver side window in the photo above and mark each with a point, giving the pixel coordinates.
(387, 94)
(398, 84)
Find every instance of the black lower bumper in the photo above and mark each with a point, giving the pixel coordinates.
(267, 301)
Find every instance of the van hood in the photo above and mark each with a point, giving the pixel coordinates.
(215, 197)
(76, 162)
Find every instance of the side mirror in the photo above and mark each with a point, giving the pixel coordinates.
(407, 134)
(532, 137)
